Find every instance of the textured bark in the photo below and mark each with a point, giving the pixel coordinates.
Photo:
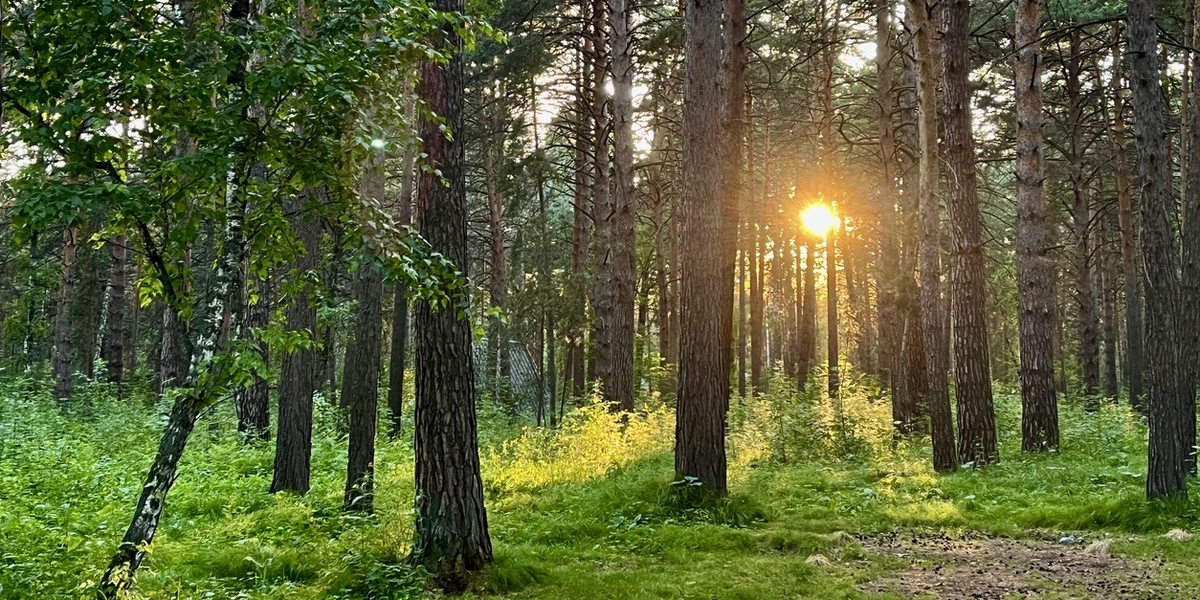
(704, 357)
(398, 355)
(163, 473)
(451, 522)
(1167, 464)
(1087, 326)
(1039, 405)
(887, 272)
(734, 162)
(758, 329)
(945, 454)
(973, 382)
(172, 362)
(61, 357)
(603, 294)
(617, 271)
(360, 379)
(298, 377)
(1135, 353)
(112, 345)
(1190, 320)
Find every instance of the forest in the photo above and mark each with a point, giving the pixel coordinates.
(708, 299)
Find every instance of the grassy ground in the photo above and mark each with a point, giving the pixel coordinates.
(588, 512)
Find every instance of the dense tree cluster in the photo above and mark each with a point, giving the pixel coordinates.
(643, 201)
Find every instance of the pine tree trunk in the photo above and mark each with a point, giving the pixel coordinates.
(573, 366)
(808, 320)
(1039, 406)
(61, 363)
(498, 363)
(887, 271)
(451, 522)
(945, 454)
(398, 355)
(1135, 353)
(1088, 327)
(1167, 468)
(298, 377)
(973, 382)
(618, 267)
(360, 379)
(1190, 321)
(704, 357)
(113, 343)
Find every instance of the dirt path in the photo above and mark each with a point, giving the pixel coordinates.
(1005, 569)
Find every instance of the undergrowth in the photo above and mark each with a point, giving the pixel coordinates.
(589, 510)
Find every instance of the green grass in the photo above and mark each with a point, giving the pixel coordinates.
(587, 512)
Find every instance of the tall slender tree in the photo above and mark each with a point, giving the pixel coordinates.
(700, 420)
(451, 522)
(1039, 406)
(1167, 461)
(973, 381)
(945, 455)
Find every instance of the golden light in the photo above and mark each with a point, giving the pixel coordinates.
(819, 219)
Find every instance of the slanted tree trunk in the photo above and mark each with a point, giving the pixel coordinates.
(298, 377)
(945, 455)
(451, 523)
(61, 362)
(1039, 406)
(1167, 464)
(704, 351)
(112, 345)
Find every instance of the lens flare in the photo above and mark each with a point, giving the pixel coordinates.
(819, 219)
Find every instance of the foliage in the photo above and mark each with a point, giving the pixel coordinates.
(583, 511)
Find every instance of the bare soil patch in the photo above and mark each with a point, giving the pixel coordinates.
(948, 568)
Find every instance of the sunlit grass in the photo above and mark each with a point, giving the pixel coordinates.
(582, 512)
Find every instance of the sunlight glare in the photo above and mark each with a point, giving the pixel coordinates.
(819, 219)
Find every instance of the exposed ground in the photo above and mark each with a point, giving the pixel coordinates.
(1005, 569)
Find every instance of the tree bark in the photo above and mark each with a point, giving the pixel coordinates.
(704, 350)
(1039, 405)
(360, 379)
(617, 271)
(398, 356)
(1088, 327)
(973, 382)
(298, 377)
(113, 343)
(945, 455)
(1167, 460)
(887, 272)
(451, 522)
(61, 362)
(1190, 231)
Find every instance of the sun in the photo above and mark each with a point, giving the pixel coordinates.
(819, 219)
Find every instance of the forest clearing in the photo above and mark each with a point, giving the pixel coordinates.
(398, 299)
